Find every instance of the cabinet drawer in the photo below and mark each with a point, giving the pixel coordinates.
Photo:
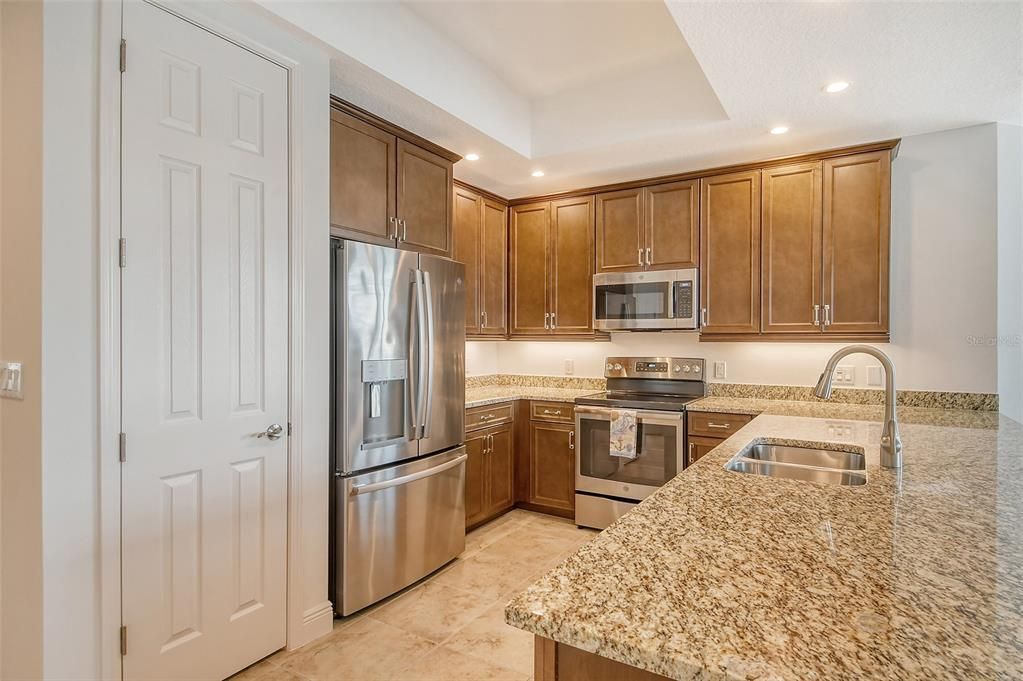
(551, 411)
(490, 415)
(710, 424)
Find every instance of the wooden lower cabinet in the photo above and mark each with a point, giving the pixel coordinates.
(705, 430)
(698, 447)
(489, 474)
(553, 661)
(552, 467)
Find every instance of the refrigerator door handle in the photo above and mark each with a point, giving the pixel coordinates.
(423, 353)
(411, 384)
(405, 479)
(427, 406)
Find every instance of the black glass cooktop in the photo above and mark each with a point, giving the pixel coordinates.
(628, 400)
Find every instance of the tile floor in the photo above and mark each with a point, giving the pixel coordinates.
(447, 627)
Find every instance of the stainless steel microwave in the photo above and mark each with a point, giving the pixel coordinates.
(666, 300)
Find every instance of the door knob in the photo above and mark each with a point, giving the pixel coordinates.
(274, 432)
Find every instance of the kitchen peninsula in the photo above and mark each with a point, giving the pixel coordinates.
(917, 574)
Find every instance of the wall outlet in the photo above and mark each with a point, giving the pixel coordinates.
(569, 367)
(874, 376)
(10, 380)
(844, 375)
(720, 370)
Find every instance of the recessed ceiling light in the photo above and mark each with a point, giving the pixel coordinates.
(779, 130)
(537, 173)
(472, 157)
(837, 86)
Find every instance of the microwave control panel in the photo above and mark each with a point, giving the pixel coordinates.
(684, 299)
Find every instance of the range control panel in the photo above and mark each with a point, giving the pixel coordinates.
(672, 368)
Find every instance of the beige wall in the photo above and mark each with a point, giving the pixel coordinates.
(20, 338)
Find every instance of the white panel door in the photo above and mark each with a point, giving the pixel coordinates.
(204, 310)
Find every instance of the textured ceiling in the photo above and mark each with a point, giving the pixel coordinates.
(573, 89)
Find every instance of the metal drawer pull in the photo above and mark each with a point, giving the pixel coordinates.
(724, 426)
(405, 479)
(556, 412)
(571, 439)
(486, 417)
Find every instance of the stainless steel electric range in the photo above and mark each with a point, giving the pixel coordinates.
(657, 389)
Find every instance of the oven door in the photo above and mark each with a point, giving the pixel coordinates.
(659, 440)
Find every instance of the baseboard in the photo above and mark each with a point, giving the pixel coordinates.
(316, 623)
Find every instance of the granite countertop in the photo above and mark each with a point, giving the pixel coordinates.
(719, 575)
(494, 394)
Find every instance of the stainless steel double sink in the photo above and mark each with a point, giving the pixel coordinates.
(836, 467)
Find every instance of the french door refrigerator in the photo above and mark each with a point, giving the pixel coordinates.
(398, 411)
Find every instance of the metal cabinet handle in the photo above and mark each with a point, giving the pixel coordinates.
(554, 324)
(547, 320)
(816, 315)
(571, 439)
(689, 459)
(483, 315)
(394, 221)
(723, 426)
(648, 263)
(827, 316)
(404, 230)
(640, 257)
(486, 417)
(703, 317)
(555, 412)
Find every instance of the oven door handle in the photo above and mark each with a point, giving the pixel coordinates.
(668, 418)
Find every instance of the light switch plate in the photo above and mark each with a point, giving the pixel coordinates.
(10, 380)
(569, 367)
(720, 369)
(874, 376)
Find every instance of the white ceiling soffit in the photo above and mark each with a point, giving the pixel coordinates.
(597, 92)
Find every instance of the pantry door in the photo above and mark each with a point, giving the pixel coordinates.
(204, 350)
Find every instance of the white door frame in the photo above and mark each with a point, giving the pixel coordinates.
(304, 624)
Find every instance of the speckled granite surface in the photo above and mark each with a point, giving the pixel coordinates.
(856, 412)
(495, 394)
(909, 398)
(722, 575)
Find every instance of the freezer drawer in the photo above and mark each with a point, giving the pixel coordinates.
(397, 525)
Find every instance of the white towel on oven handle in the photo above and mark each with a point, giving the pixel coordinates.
(622, 442)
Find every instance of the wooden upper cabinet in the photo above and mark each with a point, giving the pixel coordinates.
(672, 221)
(620, 231)
(571, 285)
(423, 200)
(362, 177)
(530, 244)
(466, 249)
(649, 228)
(857, 215)
(730, 253)
(494, 266)
(791, 244)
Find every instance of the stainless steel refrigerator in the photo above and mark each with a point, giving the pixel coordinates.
(398, 404)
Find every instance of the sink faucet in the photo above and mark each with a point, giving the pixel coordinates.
(891, 443)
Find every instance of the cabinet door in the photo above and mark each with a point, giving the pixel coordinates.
(424, 200)
(529, 258)
(791, 245)
(857, 205)
(494, 265)
(699, 447)
(551, 465)
(362, 178)
(619, 231)
(500, 471)
(572, 266)
(730, 253)
(466, 249)
(672, 217)
(475, 479)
